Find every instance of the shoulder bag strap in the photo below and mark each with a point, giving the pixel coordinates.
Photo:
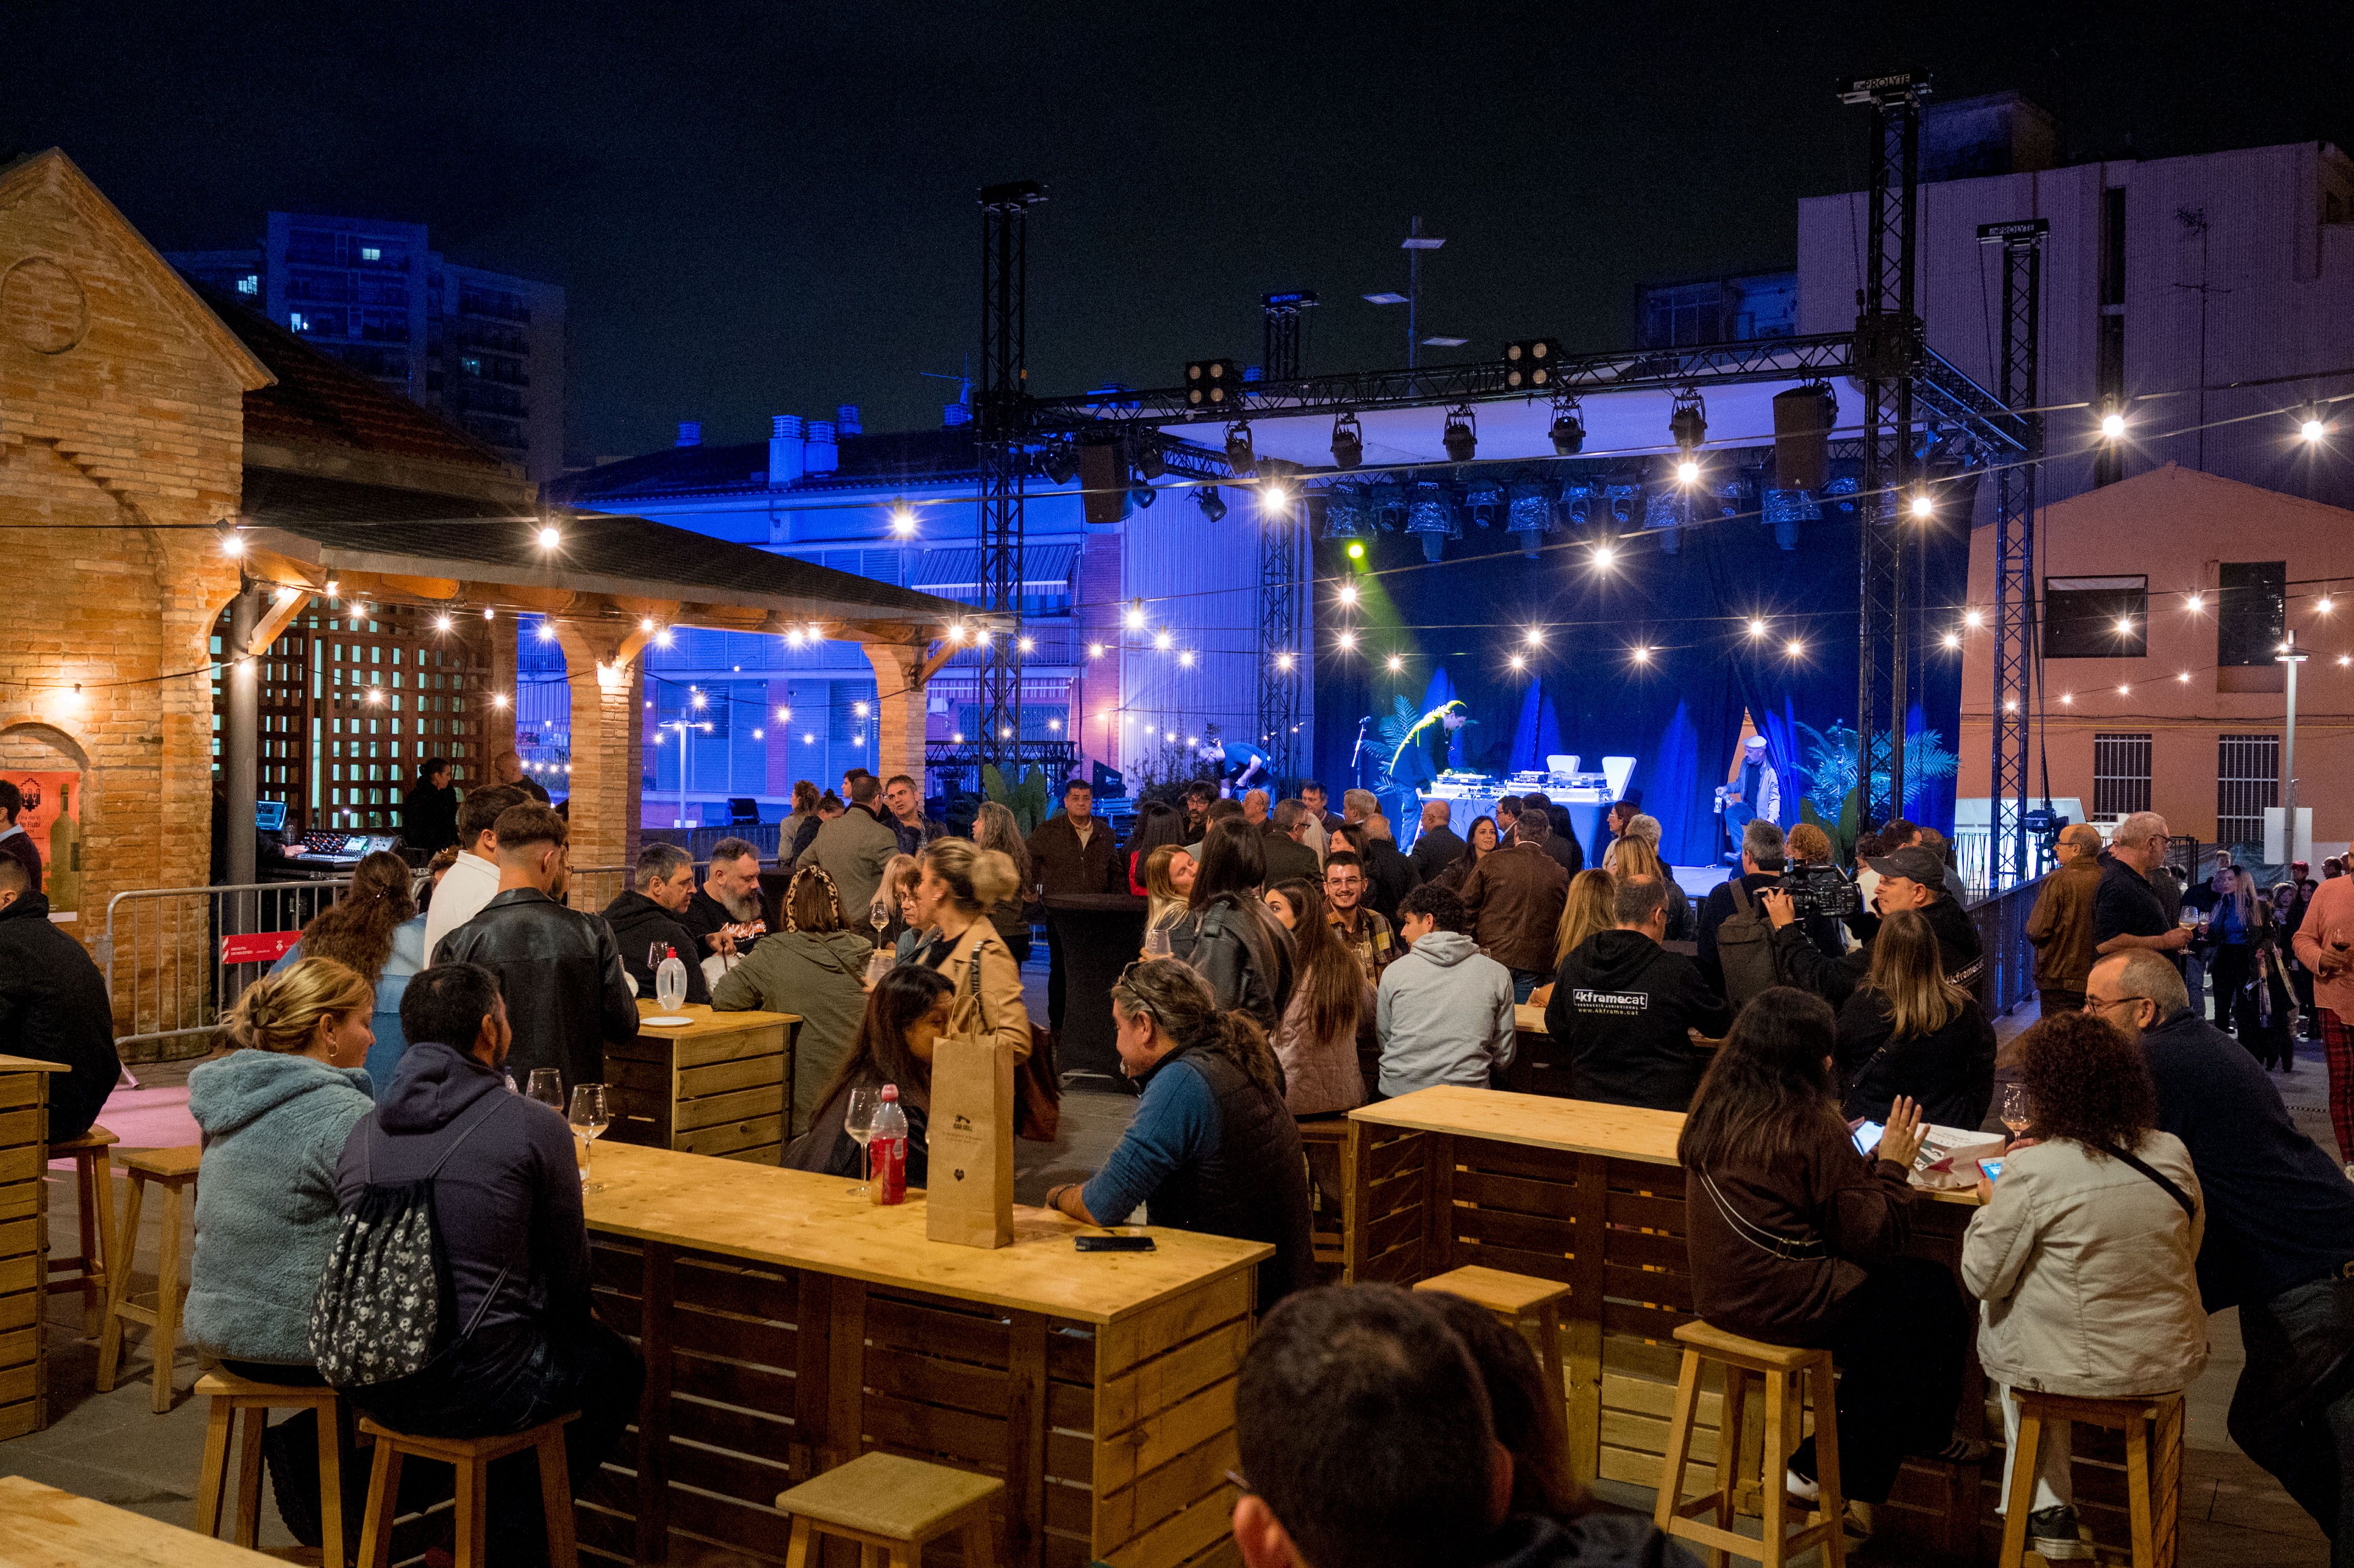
(496, 1098)
(1764, 1240)
(2173, 1192)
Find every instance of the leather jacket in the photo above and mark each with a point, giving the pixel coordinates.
(1242, 951)
(560, 971)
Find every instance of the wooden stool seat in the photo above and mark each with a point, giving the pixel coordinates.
(1779, 1366)
(881, 1501)
(174, 1170)
(470, 1457)
(94, 1214)
(2153, 1474)
(229, 1394)
(1528, 1306)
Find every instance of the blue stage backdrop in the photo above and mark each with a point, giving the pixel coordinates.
(1456, 624)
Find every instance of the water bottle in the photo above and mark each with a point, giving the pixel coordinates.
(886, 1151)
(670, 981)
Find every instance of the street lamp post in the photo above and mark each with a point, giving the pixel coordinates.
(2291, 657)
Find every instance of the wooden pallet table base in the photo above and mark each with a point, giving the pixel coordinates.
(721, 1086)
(24, 1245)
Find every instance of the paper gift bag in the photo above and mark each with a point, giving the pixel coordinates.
(970, 1142)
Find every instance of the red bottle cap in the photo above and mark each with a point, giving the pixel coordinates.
(670, 953)
(890, 1091)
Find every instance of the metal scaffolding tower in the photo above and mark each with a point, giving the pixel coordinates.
(1889, 353)
(2015, 645)
(1001, 417)
(1282, 542)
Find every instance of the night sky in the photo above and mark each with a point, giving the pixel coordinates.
(770, 208)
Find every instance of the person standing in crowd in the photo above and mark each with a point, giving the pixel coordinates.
(428, 812)
(2084, 1256)
(2231, 928)
(1358, 805)
(1901, 834)
(903, 813)
(804, 810)
(1389, 875)
(2128, 912)
(1478, 844)
(1908, 1032)
(652, 913)
(904, 1019)
(2325, 944)
(2266, 1008)
(14, 842)
(373, 930)
(472, 879)
(854, 847)
(53, 1004)
(1796, 1239)
(1559, 841)
(1200, 796)
(1508, 816)
(1071, 854)
(1228, 936)
(567, 963)
(1639, 856)
(725, 915)
(814, 967)
(2292, 916)
(1372, 1436)
(1762, 859)
(1285, 845)
(507, 1216)
(792, 846)
(1444, 1011)
(1157, 823)
(1322, 1042)
(1908, 879)
(1255, 805)
(1613, 829)
(507, 769)
(994, 828)
(1169, 874)
(2060, 924)
(1514, 899)
(1311, 795)
(961, 882)
(1591, 906)
(1367, 935)
(1628, 1014)
(1436, 846)
(1211, 1147)
(1219, 812)
(2278, 1242)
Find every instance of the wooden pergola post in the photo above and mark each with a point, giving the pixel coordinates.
(607, 678)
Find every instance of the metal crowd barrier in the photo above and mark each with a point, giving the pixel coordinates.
(176, 958)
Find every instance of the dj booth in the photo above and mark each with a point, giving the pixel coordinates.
(1588, 796)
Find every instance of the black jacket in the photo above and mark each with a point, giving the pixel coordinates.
(637, 924)
(561, 972)
(1597, 1539)
(828, 1148)
(1435, 849)
(1389, 877)
(1289, 859)
(703, 918)
(428, 817)
(1620, 1006)
(1950, 1073)
(53, 1008)
(1253, 1187)
(1245, 954)
(1806, 966)
(1060, 865)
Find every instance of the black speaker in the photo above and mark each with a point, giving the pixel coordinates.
(1103, 475)
(1802, 436)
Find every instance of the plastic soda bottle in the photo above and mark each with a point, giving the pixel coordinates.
(670, 981)
(886, 1150)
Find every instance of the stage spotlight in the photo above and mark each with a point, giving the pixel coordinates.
(1213, 505)
(1396, 663)
(1604, 558)
(1687, 470)
(1483, 498)
(1622, 501)
(1568, 428)
(1688, 422)
(1356, 549)
(1151, 462)
(1528, 364)
(1429, 515)
(1239, 455)
(1461, 437)
(2113, 423)
(1144, 495)
(1348, 442)
(1213, 383)
(1757, 627)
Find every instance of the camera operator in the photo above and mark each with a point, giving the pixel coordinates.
(1809, 853)
(1910, 878)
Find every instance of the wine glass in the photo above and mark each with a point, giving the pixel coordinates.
(858, 1121)
(1156, 942)
(2015, 1113)
(655, 953)
(590, 1117)
(546, 1086)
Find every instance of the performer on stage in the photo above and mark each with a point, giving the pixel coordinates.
(1755, 791)
(1245, 766)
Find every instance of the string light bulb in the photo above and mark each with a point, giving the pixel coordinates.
(2125, 626)
(1161, 639)
(2325, 604)
(1517, 663)
(1797, 647)
(1953, 640)
(1642, 655)
(2195, 603)
(903, 521)
(1095, 650)
(1348, 593)
(549, 538)
(1185, 660)
(1348, 641)
(1136, 615)
(1604, 558)
(1687, 471)
(646, 623)
(1284, 662)
(1757, 627)
(1922, 505)
(232, 544)
(784, 715)
(1974, 619)
(2313, 430)
(1027, 645)
(547, 631)
(2184, 678)
(1396, 663)
(499, 700)
(442, 623)
(489, 614)
(2112, 425)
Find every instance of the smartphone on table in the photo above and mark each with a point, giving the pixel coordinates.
(1112, 1244)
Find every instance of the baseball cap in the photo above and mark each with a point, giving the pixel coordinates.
(1914, 863)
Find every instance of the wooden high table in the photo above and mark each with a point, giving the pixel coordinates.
(788, 1327)
(1592, 1195)
(721, 1084)
(24, 1244)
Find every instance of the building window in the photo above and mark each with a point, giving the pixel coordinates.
(2095, 617)
(471, 364)
(2120, 774)
(371, 253)
(2251, 611)
(298, 322)
(249, 284)
(2247, 780)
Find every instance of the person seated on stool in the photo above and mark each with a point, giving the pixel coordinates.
(2084, 1262)
(1794, 1238)
(53, 1004)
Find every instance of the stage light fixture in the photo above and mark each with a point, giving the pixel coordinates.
(1356, 550)
(1622, 501)
(549, 538)
(1395, 663)
(2113, 422)
(1568, 428)
(1240, 458)
(1143, 496)
(903, 521)
(1213, 505)
(1061, 463)
(1688, 422)
(1213, 383)
(1528, 364)
(1151, 462)
(1348, 442)
(1461, 436)
(1429, 515)
(1483, 498)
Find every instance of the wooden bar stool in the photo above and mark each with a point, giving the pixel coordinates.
(1332, 1178)
(472, 1458)
(229, 1394)
(1531, 1306)
(174, 1170)
(2153, 1477)
(1779, 1365)
(94, 1208)
(890, 1504)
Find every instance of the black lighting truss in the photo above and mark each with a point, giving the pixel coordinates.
(1282, 541)
(1005, 353)
(1890, 352)
(2015, 646)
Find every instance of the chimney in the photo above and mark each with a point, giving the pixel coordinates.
(820, 452)
(690, 432)
(784, 448)
(845, 420)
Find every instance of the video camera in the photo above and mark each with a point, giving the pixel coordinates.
(1821, 890)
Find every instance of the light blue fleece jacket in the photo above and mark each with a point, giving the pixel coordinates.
(267, 1213)
(1445, 1012)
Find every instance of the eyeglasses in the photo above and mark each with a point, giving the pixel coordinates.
(2099, 1006)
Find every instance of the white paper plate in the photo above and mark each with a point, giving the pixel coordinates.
(669, 1020)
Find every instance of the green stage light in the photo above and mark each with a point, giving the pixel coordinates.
(1356, 550)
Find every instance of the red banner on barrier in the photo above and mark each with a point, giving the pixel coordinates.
(258, 948)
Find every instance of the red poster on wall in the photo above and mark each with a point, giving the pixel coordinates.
(52, 817)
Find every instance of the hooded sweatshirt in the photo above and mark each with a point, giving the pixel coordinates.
(274, 1126)
(1621, 1004)
(1444, 1013)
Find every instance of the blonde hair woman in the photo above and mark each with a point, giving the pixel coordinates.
(1637, 854)
(961, 882)
(994, 827)
(275, 1112)
(1909, 1031)
(1587, 911)
(1169, 879)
